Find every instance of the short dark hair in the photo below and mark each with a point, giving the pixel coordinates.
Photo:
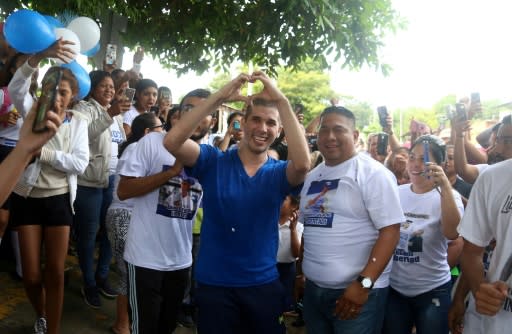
(233, 115)
(437, 147)
(200, 93)
(97, 77)
(259, 102)
(142, 84)
(342, 111)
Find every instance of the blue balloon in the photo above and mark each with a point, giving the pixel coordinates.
(53, 22)
(93, 51)
(28, 31)
(81, 75)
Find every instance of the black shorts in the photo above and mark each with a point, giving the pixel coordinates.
(47, 211)
(4, 152)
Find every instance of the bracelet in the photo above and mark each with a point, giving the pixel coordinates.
(299, 276)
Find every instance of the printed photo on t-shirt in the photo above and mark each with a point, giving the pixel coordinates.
(316, 210)
(179, 197)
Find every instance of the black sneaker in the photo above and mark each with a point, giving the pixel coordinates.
(91, 296)
(106, 290)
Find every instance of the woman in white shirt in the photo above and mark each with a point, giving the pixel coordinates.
(420, 280)
(42, 206)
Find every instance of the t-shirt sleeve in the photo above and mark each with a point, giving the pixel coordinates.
(128, 117)
(207, 155)
(474, 226)
(381, 199)
(139, 159)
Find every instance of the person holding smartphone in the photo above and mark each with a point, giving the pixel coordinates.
(420, 279)
(234, 133)
(42, 202)
(163, 103)
(146, 92)
(95, 185)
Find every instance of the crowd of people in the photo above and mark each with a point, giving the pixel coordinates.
(236, 231)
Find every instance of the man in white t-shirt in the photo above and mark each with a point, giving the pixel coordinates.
(158, 247)
(488, 216)
(351, 214)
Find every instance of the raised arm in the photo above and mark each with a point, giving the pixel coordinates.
(467, 172)
(29, 145)
(298, 151)
(176, 141)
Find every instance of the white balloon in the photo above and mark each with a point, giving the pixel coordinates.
(68, 35)
(87, 31)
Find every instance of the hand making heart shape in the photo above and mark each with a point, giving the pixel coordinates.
(232, 91)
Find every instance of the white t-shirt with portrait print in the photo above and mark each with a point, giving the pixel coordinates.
(489, 216)
(160, 232)
(342, 208)
(420, 260)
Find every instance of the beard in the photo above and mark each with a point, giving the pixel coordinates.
(196, 136)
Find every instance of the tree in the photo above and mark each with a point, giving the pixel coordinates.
(196, 35)
(310, 87)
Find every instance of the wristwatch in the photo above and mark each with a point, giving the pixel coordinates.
(366, 282)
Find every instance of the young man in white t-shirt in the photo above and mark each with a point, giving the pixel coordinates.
(158, 247)
(351, 214)
(488, 215)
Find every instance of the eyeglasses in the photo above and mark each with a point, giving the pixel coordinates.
(157, 126)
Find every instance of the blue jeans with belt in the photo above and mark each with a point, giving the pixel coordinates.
(427, 311)
(320, 303)
(91, 206)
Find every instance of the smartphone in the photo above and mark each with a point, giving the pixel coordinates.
(426, 156)
(236, 125)
(165, 95)
(110, 54)
(129, 93)
(46, 100)
(383, 115)
(475, 97)
(460, 112)
(426, 152)
(382, 144)
(449, 111)
(154, 109)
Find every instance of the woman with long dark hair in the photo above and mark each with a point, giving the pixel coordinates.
(42, 206)
(146, 92)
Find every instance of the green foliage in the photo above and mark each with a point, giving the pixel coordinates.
(198, 35)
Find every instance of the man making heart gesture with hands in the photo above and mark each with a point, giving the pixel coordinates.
(243, 192)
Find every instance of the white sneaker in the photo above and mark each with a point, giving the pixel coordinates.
(40, 326)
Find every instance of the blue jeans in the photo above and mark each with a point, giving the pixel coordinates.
(320, 303)
(91, 206)
(428, 312)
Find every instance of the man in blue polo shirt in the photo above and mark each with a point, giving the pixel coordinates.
(238, 286)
